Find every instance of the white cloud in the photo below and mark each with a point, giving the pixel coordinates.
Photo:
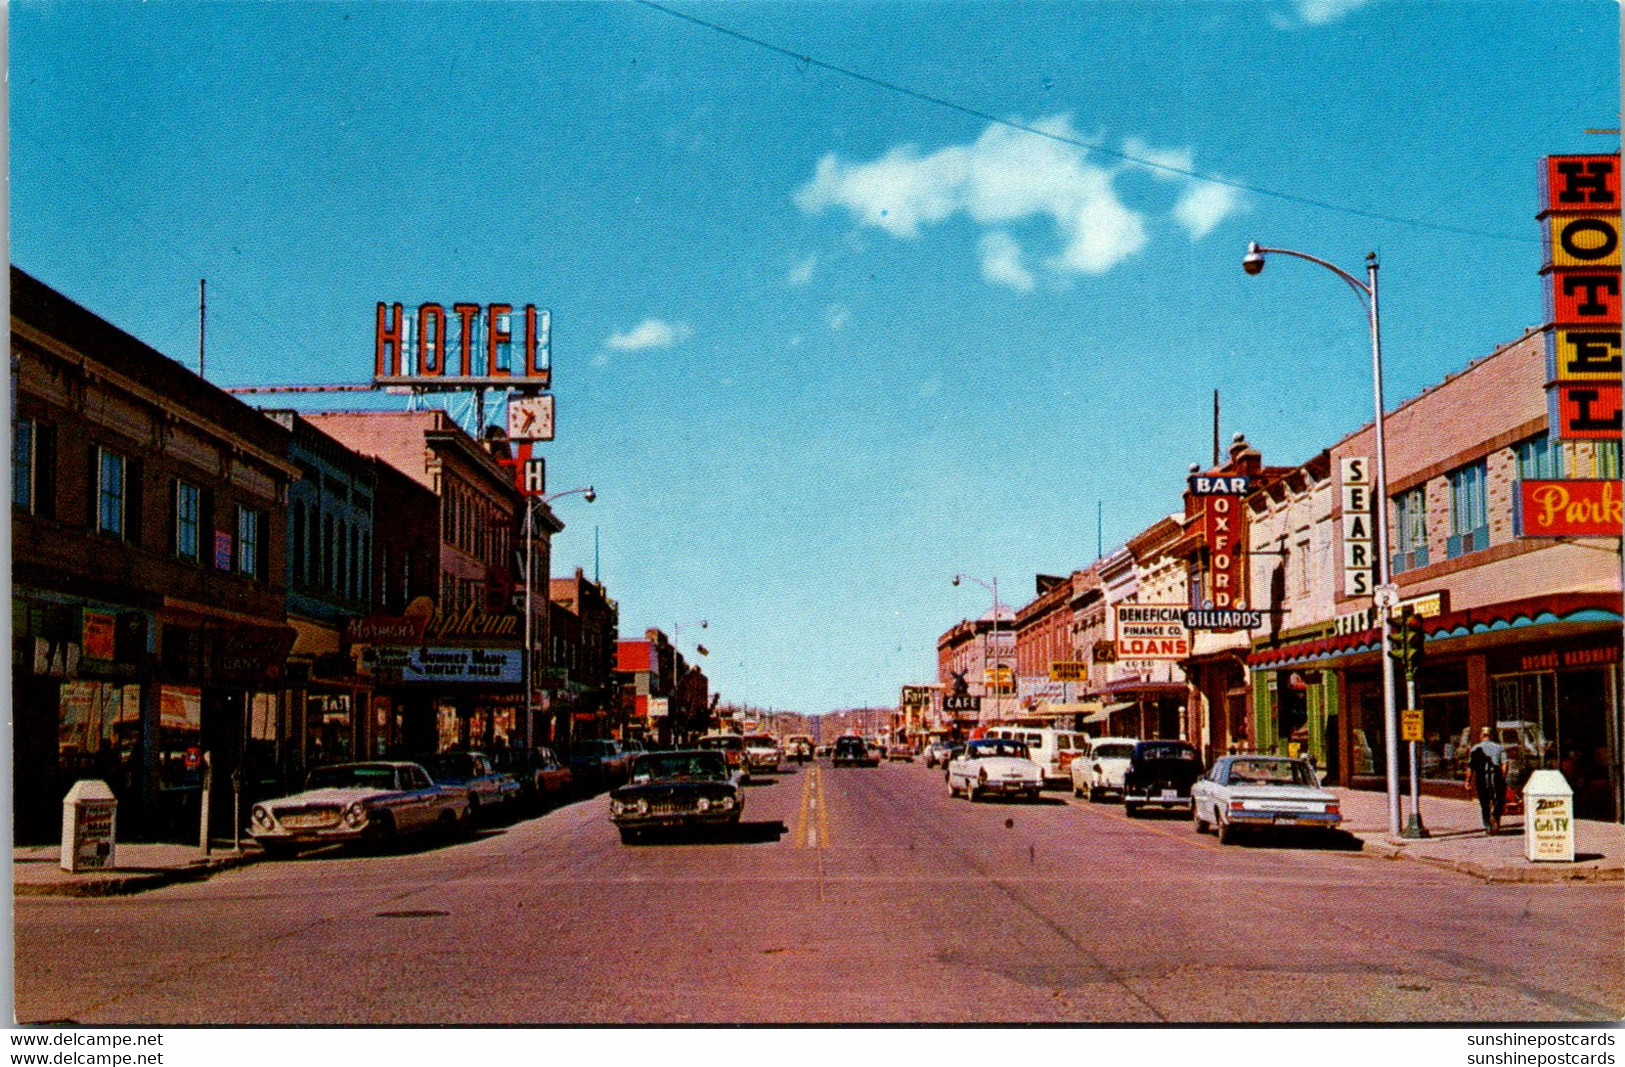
(650, 333)
(1008, 176)
(1319, 12)
(1001, 262)
(802, 272)
(837, 316)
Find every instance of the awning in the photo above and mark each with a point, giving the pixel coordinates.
(1106, 712)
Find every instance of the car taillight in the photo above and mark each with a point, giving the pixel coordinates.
(1334, 809)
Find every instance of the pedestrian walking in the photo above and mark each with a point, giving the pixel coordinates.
(1486, 775)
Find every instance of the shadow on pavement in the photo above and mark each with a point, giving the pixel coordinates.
(1300, 840)
(745, 833)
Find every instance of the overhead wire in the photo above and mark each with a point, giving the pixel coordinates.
(804, 61)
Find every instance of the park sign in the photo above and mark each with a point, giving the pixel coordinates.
(475, 346)
(1573, 508)
(1580, 216)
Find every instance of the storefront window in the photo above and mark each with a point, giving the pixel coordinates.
(1369, 752)
(1558, 720)
(99, 731)
(180, 735)
(329, 731)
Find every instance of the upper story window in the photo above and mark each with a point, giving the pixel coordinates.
(297, 525)
(22, 464)
(111, 488)
(1411, 549)
(188, 531)
(1539, 457)
(1469, 511)
(249, 548)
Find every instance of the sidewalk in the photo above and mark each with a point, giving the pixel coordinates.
(35, 869)
(1457, 841)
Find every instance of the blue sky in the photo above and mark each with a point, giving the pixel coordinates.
(821, 344)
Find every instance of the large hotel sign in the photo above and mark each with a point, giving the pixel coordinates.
(1580, 213)
(468, 346)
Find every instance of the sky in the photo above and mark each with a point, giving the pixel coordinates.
(847, 298)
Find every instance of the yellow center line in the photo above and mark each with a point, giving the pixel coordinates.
(800, 836)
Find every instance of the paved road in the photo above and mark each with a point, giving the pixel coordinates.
(851, 895)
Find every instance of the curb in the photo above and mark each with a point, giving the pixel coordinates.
(127, 883)
(1545, 873)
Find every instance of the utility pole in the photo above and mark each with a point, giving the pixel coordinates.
(202, 314)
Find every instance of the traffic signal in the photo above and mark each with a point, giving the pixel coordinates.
(1406, 642)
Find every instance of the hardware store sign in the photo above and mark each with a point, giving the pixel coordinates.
(501, 666)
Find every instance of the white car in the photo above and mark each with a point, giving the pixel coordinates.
(1100, 769)
(1262, 792)
(763, 752)
(994, 765)
(358, 802)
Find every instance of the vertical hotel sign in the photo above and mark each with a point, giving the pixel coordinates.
(1580, 216)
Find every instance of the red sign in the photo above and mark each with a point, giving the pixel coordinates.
(1571, 508)
(529, 468)
(1579, 183)
(1584, 411)
(97, 635)
(1224, 527)
(1581, 297)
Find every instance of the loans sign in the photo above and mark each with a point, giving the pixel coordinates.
(1580, 216)
(1152, 632)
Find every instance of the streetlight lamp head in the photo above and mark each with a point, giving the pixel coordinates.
(590, 494)
(1253, 262)
(956, 579)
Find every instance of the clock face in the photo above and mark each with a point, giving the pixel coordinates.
(530, 418)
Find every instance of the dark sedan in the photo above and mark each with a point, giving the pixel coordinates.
(672, 789)
(854, 752)
(1160, 774)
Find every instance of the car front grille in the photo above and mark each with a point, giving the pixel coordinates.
(314, 818)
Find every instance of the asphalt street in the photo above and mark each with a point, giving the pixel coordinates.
(847, 895)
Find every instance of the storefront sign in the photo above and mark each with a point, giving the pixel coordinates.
(180, 708)
(1580, 212)
(659, 707)
(1573, 508)
(413, 348)
(386, 630)
(99, 631)
(529, 468)
(249, 653)
(1223, 620)
(961, 702)
(1152, 632)
(1220, 484)
(916, 696)
(498, 666)
(1359, 561)
(1069, 671)
(1570, 658)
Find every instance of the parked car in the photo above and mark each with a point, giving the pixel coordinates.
(597, 764)
(358, 802)
(821, 751)
(543, 778)
(899, 751)
(682, 788)
(763, 752)
(1160, 774)
(1053, 750)
(853, 752)
(732, 747)
(940, 753)
(489, 790)
(994, 765)
(798, 747)
(1263, 792)
(1100, 767)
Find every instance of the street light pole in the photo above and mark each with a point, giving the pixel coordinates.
(991, 645)
(1386, 597)
(529, 657)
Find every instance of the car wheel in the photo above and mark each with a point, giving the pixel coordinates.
(1131, 810)
(1032, 794)
(380, 831)
(1094, 795)
(952, 792)
(1227, 832)
(629, 836)
(1201, 823)
(970, 792)
(1077, 790)
(279, 850)
(450, 824)
(473, 809)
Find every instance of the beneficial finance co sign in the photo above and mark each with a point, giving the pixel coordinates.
(1152, 632)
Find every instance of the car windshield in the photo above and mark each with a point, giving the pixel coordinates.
(722, 742)
(1113, 751)
(759, 741)
(353, 776)
(1167, 752)
(687, 766)
(1270, 772)
(851, 742)
(989, 749)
